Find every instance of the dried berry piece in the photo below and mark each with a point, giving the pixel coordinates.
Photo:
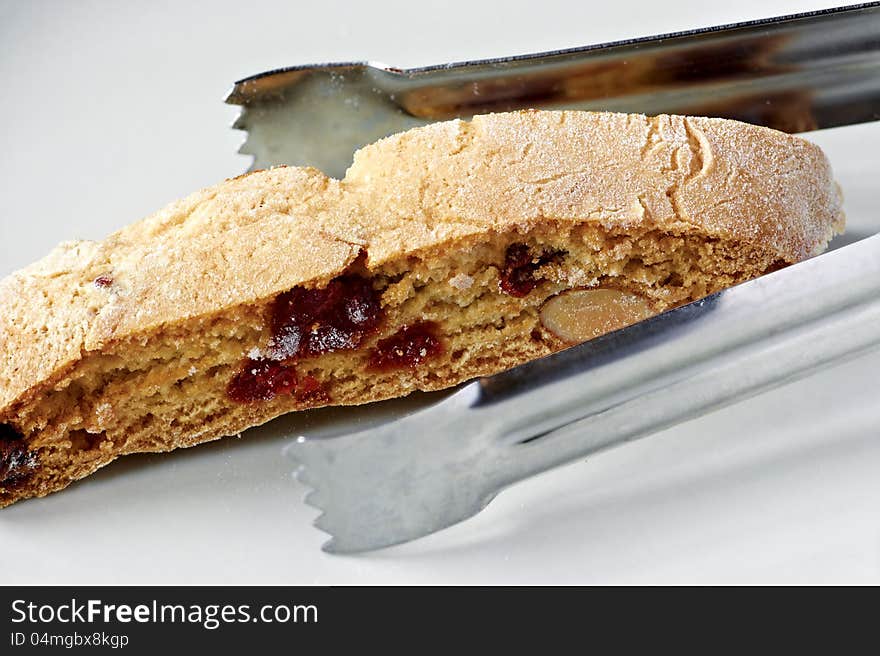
(518, 271)
(261, 380)
(9, 434)
(103, 282)
(312, 392)
(309, 322)
(17, 464)
(407, 348)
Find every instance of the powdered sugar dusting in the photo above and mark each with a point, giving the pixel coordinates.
(461, 281)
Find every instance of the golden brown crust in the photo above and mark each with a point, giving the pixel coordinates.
(252, 237)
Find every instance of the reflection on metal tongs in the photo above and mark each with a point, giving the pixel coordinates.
(443, 464)
(795, 73)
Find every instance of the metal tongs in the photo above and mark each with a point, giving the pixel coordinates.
(443, 464)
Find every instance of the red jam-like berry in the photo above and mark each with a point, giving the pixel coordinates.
(518, 272)
(407, 348)
(309, 322)
(261, 380)
(306, 323)
(311, 391)
(103, 282)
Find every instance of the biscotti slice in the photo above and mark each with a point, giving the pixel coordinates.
(448, 252)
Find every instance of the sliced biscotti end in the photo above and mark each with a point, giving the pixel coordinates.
(219, 247)
(719, 178)
(453, 251)
(763, 186)
(489, 302)
(416, 192)
(46, 312)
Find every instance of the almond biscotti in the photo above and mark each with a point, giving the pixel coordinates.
(448, 252)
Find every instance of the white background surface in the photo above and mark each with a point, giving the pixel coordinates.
(110, 110)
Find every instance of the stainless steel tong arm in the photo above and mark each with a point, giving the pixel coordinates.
(794, 73)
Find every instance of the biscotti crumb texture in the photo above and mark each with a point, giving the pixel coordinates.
(427, 265)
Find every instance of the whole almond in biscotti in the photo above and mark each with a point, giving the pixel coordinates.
(577, 315)
(444, 254)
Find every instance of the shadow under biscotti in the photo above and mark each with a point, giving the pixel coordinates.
(847, 238)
